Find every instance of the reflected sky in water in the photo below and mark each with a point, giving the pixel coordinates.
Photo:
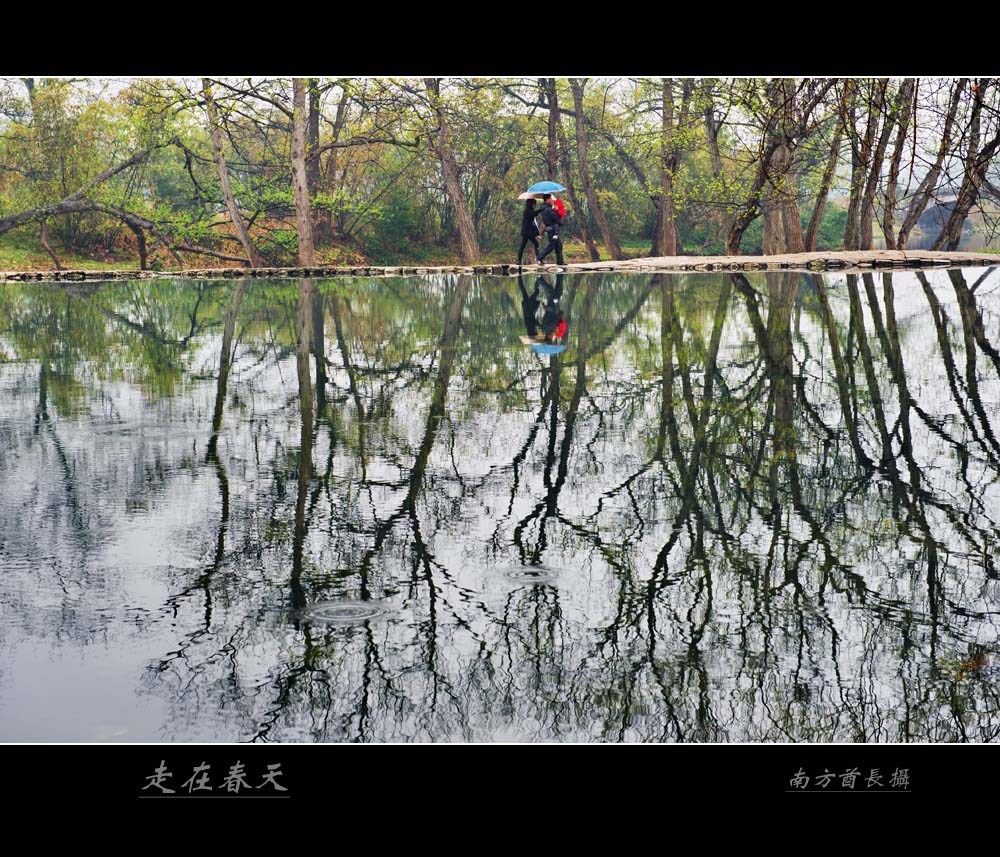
(755, 508)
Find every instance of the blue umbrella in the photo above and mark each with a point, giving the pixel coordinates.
(546, 187)
(548, 349)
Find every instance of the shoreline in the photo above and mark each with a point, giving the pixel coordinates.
(840, 260)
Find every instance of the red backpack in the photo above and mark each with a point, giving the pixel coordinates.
(559, 206)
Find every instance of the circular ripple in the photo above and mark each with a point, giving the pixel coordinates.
(159, 431)
(531, 574)
(344, 612)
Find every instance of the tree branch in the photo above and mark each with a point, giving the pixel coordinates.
(361, 141)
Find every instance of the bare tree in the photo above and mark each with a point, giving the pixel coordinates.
(442, 147)
(43, 237)
(712, 130)
(787, 119)
(873, 178)
(300, 184)
(906, 110)
(861, 148)
(610, 241)
(812, 231)
(782, 222)
(548, 90)
(928, 184)
(670, 159)
(254, 257)
(563, 149)
(80, 201)
(977, 160)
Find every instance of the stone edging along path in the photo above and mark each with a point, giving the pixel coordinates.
(843, 260)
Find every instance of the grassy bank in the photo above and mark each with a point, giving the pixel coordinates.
(19, 252)
(23, 252)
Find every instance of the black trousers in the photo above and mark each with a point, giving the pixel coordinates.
(554, 244)
(524, 243)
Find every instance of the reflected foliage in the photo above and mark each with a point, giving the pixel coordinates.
(736, 507)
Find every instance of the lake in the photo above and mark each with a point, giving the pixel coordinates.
(754, 508)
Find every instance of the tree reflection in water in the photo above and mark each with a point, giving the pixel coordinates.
(736, 508)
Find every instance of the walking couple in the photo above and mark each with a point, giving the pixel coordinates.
(552, 212)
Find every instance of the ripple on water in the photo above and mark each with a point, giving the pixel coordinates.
(345, 612)
(539, 574)
(148, 431)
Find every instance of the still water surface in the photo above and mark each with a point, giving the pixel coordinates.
(758, 508)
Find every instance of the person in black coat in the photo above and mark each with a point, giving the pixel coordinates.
(552, 221)
(553, 318)
(529, 229)
(529, 307)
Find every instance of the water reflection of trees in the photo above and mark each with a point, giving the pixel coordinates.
(765, 500)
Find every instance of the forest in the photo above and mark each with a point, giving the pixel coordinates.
(162, 173)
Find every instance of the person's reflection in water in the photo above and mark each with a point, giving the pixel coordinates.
(529, 306)
(553, 318)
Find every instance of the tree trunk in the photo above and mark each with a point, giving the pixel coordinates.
(312, 137)
(670, 157)
(787, 123)
(614, 248)
(44, 236)
(782, 221)
(929, 183)
(782, 290)
(303, 323)
(812, 232)
(223, 172)
(548, 85)
(656, 247)
(324, 219)
(469, 243)
(749, 214)
(567, 168)
(851, 124)
(321, 219)
(140, 241)
(904, 107)
(873, 179)
(861, 151)
(318, 346)
(300, 187)
(303, 340)
(640, 176)
(338, 126)
(225, 355)
(715, 156)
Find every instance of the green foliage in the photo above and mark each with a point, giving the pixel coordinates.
(379, 193)
(831, 228)
(753, 238)
(395, 227)
(286, 239)
(22, 251)
(189, 227)
(700, 237)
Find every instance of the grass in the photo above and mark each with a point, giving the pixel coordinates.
(20, 252)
